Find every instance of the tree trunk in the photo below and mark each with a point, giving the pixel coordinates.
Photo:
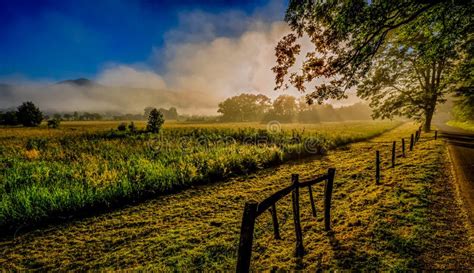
(428, 118)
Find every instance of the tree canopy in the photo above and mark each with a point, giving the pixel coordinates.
(347, 35)
(244, 107)
(286, 108)
(29, 115)
(155, 121)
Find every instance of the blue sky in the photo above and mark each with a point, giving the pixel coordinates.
(57, 40)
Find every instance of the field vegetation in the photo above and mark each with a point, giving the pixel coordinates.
(466, 125)
(411, 221)
(52, 173)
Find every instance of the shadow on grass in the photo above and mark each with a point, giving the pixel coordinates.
(350, 257)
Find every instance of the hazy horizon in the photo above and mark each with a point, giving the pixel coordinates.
(205, 57)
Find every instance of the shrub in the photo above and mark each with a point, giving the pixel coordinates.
(29, 115)
(9, 118)
(54, 123)
(122, 126)
(132, 127)
(155, 121)
(36, 144)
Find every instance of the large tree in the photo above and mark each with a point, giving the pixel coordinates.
(414, 68)
(29, 115)
(285, 109)
(244, 107)
(350, 37)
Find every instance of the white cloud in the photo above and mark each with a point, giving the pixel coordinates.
(126, 76)
(206, 59)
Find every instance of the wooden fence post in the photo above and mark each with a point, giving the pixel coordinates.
(311, 199)
(327, 198)
(403, 147)
(377, 167)
(276, 227)
(299, 251)
(393, 154)
(436, 134)
(411, 143)
(246, 236)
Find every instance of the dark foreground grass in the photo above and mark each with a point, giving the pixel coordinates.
(410, 221)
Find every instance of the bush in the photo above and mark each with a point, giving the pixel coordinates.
(155, 121)
(54, 123)
(122, 126)
(9, 118)
(29, 115)
(132, 127)
(36, 144)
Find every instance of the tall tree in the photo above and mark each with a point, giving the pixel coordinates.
(412, 71)
(29, 115)
(155, 121)
(285, 109)
(348, 35)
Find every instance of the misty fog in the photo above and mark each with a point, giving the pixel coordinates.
(200, 69)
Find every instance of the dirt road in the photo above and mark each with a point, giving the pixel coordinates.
(461, 148)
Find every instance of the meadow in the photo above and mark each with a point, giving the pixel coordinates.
(465, 125)
(83, 166)
(411, 221)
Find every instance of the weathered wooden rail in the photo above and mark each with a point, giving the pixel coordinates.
(254, 209)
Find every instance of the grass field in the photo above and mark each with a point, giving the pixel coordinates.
(466, 125)
(410, 221)
(85, 165)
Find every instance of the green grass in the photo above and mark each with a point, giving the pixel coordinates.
(466, 125)
(410, 221)
(55, 173)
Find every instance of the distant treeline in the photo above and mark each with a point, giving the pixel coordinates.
(17, 117)
(241, 108)
(285, 108)
(170, 113)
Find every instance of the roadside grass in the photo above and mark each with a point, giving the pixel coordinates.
(466, 125)
(411, 221)
(53, 174)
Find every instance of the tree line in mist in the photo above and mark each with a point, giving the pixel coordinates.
(285, 108)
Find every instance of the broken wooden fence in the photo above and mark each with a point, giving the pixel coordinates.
(253, 209)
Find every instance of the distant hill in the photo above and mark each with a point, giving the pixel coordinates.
(80, 82)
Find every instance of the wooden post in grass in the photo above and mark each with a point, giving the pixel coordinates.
(311, 199)
(377, 167)
(436, 134)
(403, 147)
(276, 227)
(299, 251)
(393, 154)
(246, 236)
(411, 143)
(327, 198)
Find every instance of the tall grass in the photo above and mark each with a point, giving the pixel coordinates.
(47, 175)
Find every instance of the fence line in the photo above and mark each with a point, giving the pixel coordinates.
(414, 138)
(254, 209)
